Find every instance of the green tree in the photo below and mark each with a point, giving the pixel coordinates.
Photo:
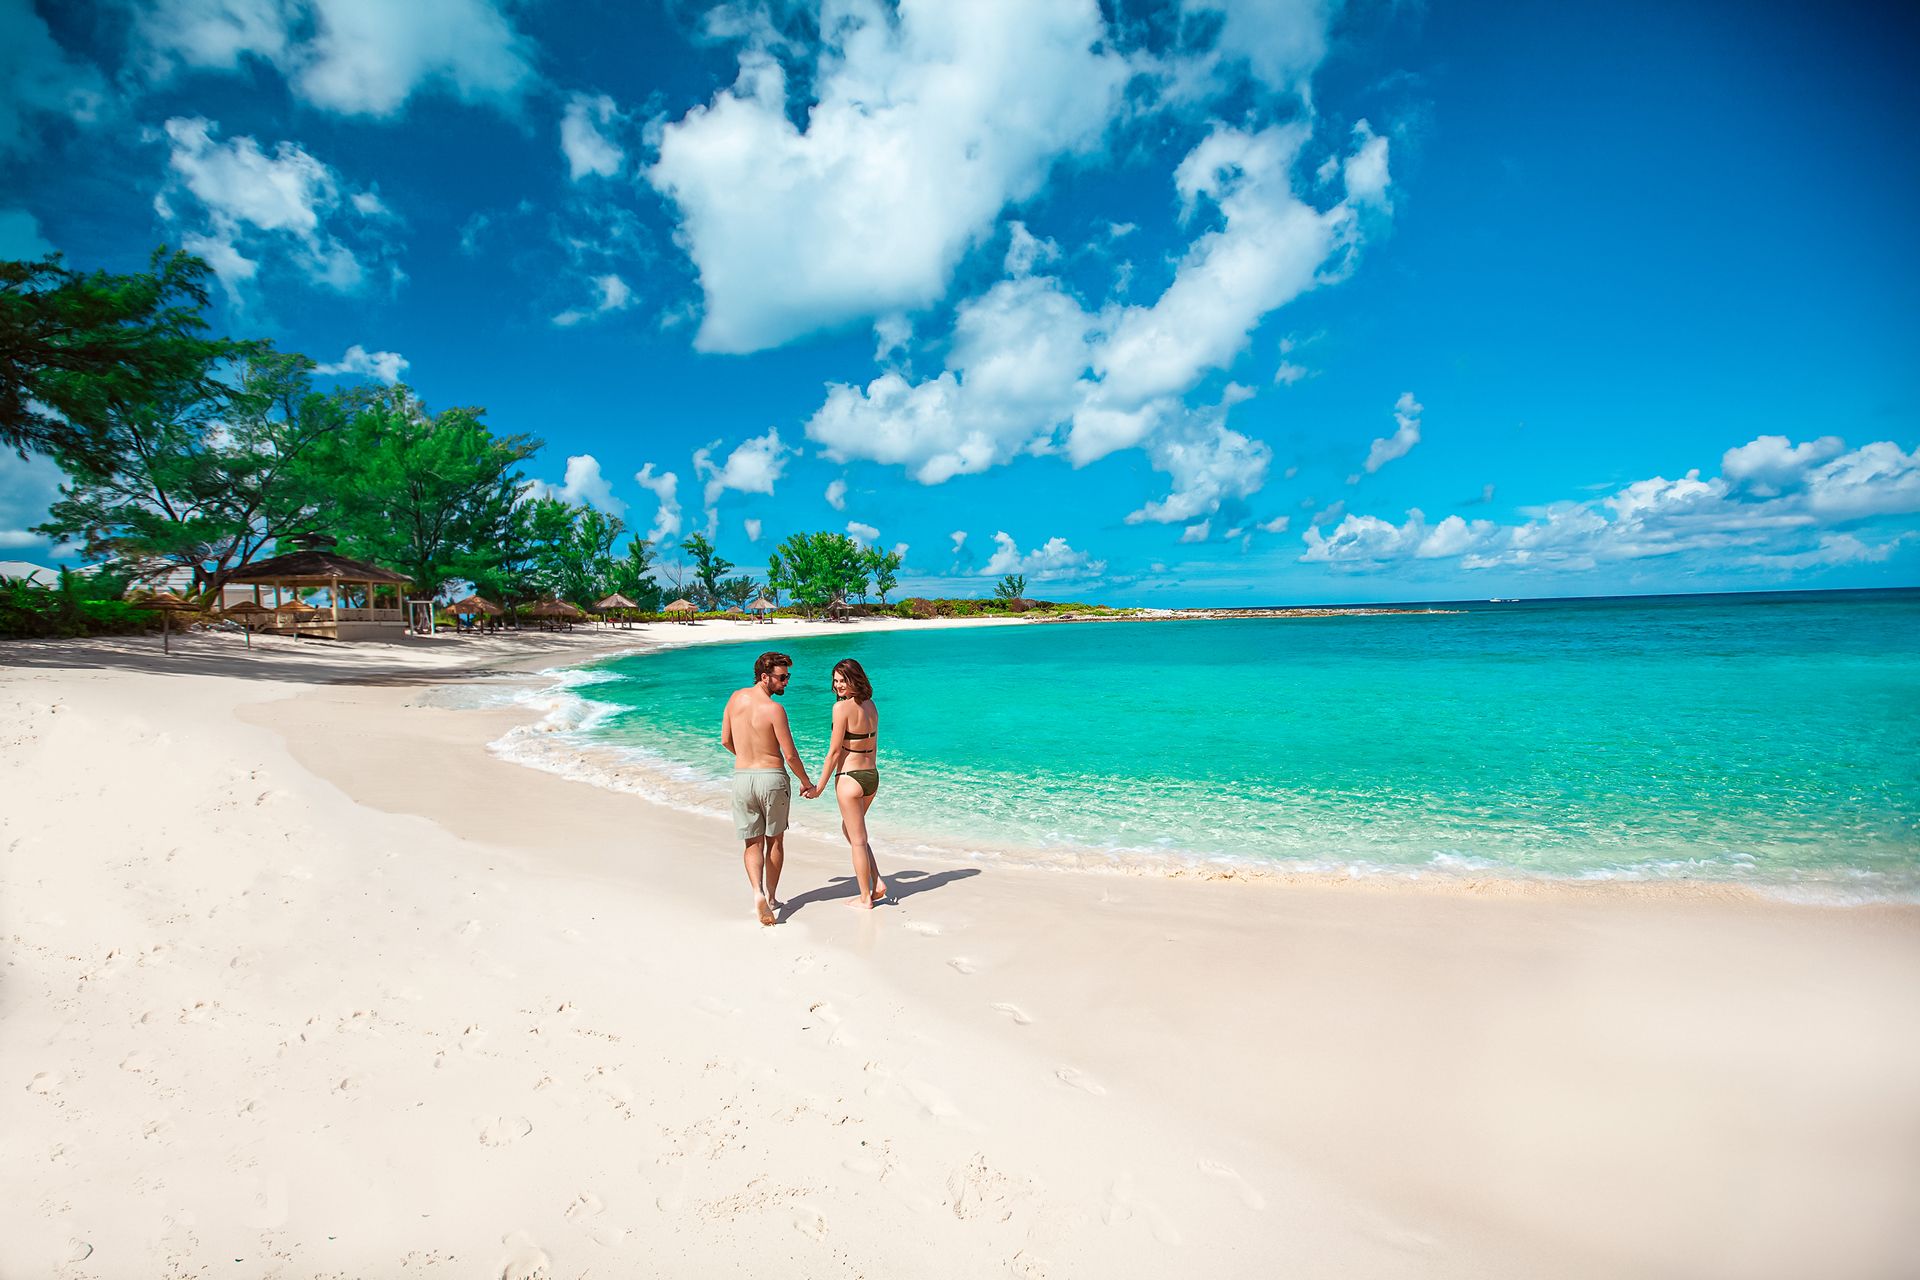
(434, 495)
(776, 577)
(632, 575)
(81, 354)
(1011, 587)
(193, 479)
(708, 569)
(884, 568)
(816, 567)
(739, 590)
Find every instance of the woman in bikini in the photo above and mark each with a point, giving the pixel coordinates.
(853, 765)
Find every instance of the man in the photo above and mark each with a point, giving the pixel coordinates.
(754, 728)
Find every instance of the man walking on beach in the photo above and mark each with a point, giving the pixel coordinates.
(754, 728)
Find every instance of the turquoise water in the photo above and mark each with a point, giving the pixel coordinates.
(1767, 739)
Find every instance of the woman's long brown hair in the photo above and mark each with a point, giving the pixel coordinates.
(856, 679)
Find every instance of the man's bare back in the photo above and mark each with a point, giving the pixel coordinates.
(754, 729)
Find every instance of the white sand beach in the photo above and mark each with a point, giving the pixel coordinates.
(301, 980)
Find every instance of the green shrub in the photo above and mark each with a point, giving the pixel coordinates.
(79, 605)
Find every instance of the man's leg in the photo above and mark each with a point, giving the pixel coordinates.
(776, 858)
(756, 867)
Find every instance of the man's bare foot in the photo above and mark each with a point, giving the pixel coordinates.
(766, 912)
(776, 904)
(880, 891)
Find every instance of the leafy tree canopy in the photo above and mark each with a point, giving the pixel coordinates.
(81, 354)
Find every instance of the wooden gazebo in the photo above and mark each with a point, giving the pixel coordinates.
(683, 606)
(762, 607)
(381, 610)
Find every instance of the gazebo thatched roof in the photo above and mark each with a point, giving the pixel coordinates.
(311, 569)
(762, 605)
(557, 609)
(615, 601)
(681, 606)
(474, 604)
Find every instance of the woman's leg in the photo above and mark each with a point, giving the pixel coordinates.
(880, 891)
(853, 824)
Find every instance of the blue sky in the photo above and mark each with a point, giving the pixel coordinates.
(1212, 301)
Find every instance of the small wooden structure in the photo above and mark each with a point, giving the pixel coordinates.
(381, 611)
(472, 605)
(838, 610)
(557, 612)
(612, 602)
(762, 607)
(245, 613)
(683, 606)
(166, 603)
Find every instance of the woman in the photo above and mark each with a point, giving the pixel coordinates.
(853, 765)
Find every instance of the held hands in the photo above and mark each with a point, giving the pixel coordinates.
(812, 792)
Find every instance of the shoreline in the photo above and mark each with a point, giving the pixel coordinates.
(551, 745)
(303, 975)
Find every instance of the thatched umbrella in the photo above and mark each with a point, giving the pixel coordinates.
(683, 605)
(245, 612)
(558, 611)
(612, 602)
(476, 604)
(166, 603)
(763, 606)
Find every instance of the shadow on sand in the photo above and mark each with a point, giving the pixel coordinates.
(905, 884)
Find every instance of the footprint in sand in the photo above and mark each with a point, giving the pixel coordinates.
(922, 926)
(44, 1082)
(810, 1222)
(500, 1131)
(585, 1205)
(1079, 1080)
(1020, 1016)
(1122, 1205)
(960, 964)
(1248, 1195)
(78, 1250)
(524, 1259)
(612, 1237)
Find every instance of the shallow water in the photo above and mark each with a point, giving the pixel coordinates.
(1765, 739)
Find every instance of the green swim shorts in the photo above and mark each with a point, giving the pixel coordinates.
(760, 801)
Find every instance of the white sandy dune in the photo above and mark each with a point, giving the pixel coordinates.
(302, 981)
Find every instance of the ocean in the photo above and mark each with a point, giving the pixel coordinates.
(1770, 740)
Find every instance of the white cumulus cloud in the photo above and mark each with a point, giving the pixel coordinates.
(584, 485)
(925, 121)
(384, 366)
(752, 526)
(355, 57)
(1052, 559)
(611, 294)
(665, 487)
(836, 495)
(752, 467)
(1406, 417)
(255, 202)
(864, 534)
(583, 138)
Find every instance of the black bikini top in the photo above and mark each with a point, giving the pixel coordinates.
(852, 736)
